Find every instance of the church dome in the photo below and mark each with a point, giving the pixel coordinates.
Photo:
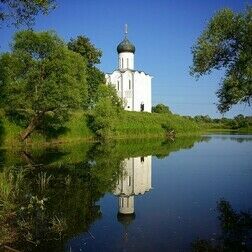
(126, 46)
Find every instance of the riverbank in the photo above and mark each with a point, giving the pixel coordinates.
(129, 125)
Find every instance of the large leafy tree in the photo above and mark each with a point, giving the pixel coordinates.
(95, 77)
(106, 112)
(23, 11)
(226, 43)
(41, 80)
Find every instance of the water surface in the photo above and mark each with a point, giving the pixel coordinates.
(133, 196)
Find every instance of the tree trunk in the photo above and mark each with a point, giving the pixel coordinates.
(28, 158)
(32, 125)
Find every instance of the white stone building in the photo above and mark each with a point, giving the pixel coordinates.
(135, 180)
(133, 86)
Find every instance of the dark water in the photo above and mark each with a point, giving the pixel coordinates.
(154, 195)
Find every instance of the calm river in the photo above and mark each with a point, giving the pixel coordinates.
(147, 195)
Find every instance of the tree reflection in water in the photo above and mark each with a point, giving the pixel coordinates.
(42, 206)
(235, 232)
(49, 196)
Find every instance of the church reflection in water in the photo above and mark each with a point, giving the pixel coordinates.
(134, 182)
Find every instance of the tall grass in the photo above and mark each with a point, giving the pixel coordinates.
(75, 129)
(128, 125)
(153, 124)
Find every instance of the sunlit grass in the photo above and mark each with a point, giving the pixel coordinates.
(153, 124)
(128, 125)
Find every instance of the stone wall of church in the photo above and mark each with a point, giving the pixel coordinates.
(133, 87)
(136, 178)
(142, 92)
(126, 60)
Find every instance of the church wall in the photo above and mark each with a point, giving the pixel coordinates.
(133, 87)
(127, 87)
(126, 204)
(142, 91)
(136, 178)
(126, 60)
(142, 175)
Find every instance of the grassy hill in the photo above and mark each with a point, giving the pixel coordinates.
(128, 125)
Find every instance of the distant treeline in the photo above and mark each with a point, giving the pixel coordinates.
(238, 122)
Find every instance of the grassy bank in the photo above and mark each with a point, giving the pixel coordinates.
(75, 129)
(135, 124)
(128, 125)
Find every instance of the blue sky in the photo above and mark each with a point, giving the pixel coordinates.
(163, 32)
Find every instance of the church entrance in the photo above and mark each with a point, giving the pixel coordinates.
(142, 107)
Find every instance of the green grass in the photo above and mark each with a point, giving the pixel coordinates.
(75, 129)
(135, 124)
(128, 125)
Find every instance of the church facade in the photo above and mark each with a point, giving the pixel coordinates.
(133, 86)
(134, 181)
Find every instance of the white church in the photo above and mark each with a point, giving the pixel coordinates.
(135, 180)
(133, 86)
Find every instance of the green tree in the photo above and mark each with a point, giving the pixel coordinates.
(95, 77)
(161, 108)
(23, 11)
(41, 80)
(226, 43)
(106, 112)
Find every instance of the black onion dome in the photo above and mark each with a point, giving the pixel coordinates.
(126, 46)
(126, 219)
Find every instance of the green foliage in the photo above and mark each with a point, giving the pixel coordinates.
(40, 80)
(22, 11)
(201, 118)
(239, 122)
(135, 124)
(95, 77)
(227, 43)
(86, 49)
(106, 112)
(161, 109)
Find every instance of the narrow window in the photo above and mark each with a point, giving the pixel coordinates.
(129, 84)
(122, 62)
(129, 180)
(122, 202)
(127, 63)
(118, 85)
(127, 202)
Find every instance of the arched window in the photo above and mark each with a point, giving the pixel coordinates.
(122, 62)
(127, 63)
(129, 84)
